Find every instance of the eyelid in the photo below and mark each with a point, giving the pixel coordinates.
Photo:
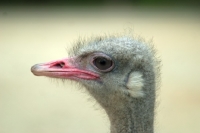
(101, 57)
(96, 55)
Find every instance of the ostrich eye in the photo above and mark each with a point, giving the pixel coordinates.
(103, 63)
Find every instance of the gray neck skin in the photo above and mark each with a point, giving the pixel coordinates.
(126, 113)
(137, 118)
(129, 115)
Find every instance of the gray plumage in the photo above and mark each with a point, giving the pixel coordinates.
(127, 113)
(128, 91)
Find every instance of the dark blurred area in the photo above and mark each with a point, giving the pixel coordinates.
(99, 2)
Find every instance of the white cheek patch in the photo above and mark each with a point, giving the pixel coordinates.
(135, 84)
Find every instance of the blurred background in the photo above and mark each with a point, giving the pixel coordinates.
(39, 31)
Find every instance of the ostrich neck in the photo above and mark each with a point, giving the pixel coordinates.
(128, 114)
(135, 117)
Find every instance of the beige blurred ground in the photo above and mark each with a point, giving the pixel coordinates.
(30, 104)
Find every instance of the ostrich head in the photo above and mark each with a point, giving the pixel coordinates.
(119, 72)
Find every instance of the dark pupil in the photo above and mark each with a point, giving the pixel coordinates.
(102, 63)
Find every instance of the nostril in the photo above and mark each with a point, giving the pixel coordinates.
(59, 65)
(62, 64)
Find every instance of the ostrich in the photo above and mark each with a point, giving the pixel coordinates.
(119, 72)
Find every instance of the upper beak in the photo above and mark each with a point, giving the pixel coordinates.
(62, 69)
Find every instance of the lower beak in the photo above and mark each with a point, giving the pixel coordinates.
(62, 69)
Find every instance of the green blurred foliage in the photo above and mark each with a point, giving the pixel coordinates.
(101, 2)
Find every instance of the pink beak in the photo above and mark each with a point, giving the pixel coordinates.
(62, 69)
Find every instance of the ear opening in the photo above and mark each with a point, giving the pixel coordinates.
(135, 84)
